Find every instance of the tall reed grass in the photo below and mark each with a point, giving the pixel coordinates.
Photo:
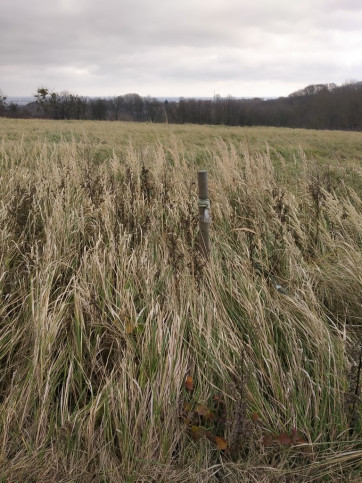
(107, 306)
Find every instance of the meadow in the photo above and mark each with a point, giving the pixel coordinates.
(126, 356)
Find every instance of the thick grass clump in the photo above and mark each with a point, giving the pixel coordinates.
(126, 356)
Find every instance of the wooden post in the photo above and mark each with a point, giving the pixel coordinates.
(204, 213)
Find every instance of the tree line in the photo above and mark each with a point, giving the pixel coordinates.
(318, 106)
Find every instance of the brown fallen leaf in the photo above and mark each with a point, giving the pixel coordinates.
(189, 383)
(255, 417)
(283, 438)
(221, 443)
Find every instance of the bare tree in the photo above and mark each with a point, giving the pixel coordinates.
(116, 105)
(3, 104)
(47, 101)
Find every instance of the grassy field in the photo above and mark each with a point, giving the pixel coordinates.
(125, 356)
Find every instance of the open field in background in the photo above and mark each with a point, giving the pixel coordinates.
(339, 152)
(125, 357)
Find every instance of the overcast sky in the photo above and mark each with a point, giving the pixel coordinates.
(178, 47)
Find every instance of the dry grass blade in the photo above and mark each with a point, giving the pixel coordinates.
(112, 325)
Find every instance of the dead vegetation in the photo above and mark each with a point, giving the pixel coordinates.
(125, 357)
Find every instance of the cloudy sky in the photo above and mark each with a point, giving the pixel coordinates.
(178, 47)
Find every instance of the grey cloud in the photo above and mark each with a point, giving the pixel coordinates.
(101, 45)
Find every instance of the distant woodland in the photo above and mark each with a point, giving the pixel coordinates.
(321, 106)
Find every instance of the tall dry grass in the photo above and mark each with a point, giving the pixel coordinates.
(107, 306)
